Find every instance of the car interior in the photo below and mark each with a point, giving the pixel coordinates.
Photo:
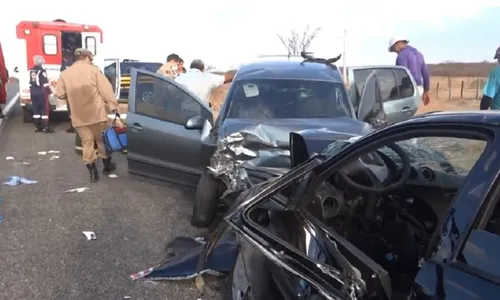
(388, 204)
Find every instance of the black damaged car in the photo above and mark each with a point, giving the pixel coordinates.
(407, 212)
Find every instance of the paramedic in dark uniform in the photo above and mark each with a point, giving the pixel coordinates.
(67, 62)
(40, 91)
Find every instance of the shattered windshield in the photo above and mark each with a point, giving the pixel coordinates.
(288, 99)
(450, 155)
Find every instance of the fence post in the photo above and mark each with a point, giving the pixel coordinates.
(437, 91)
(462, 91)
(449, 88)
(477, 87)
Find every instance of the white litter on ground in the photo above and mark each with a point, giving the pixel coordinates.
(54, 151)
(54, 157)
(10, 158)
(26, 163)
(77, 190)
(112, 176)
(90, 235)
(42, 152)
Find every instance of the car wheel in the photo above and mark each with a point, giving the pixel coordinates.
(27, 116)
(250, 278)
(206, 200)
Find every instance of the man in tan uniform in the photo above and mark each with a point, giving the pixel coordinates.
(90, 96)
(169, 69)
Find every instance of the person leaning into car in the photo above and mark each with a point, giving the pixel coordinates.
(411, 58)
(491, 91)
(88, 93)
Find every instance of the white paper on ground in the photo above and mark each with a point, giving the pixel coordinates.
(77, 190)
(53, 151)
(42, 152)
(10, 158)
(112, 176)
(90, 235)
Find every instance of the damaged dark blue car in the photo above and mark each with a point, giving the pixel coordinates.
(408, 212)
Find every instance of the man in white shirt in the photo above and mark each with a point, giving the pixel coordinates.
(199, 82)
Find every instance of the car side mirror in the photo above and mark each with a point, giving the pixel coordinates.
(298, 149)
(371, 109)
(195, 123)
(16, 70)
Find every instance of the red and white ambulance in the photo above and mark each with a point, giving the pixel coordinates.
(53, 40)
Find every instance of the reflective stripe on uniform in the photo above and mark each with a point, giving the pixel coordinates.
(46, 84)
(37, 116)
(45, 117)
(37, 79)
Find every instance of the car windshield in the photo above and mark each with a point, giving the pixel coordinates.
(288, 99)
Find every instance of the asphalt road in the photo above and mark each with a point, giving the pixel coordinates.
(43, 253)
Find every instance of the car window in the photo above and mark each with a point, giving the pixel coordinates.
(394, 84)
(294, 99)
(480, 251)
(125, 68)
(161, 99)
(403, 82)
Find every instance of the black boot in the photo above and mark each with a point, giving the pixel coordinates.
(46, 127)
(94, 176)
(38, 124)
(108, 165)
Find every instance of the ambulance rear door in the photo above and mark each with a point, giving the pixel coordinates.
(92, 42)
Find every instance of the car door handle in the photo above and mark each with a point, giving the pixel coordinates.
(136, 127)
(405, 109)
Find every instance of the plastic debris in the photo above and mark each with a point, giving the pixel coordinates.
(53, 152)
(10, 158)
(77, 190)
(42, 152)
(112, 176)
(26, 163)
(90, 235)
(127, 297)
(53, 157)
(17, 180)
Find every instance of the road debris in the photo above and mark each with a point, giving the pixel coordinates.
(77, 190)
(42, 153)
(26, 163)
(53, 157)
(10, 158)
(53, 152)
(17, 180)
(90, 235)
(112, 176)
(127, 297)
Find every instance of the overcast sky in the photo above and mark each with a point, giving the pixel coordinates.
(225, 33)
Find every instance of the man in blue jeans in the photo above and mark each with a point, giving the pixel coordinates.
(412, 59)
(491, 91)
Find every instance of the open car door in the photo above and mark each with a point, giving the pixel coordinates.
(112, 72)
(92, 42)
(166, 126)
(398, 90)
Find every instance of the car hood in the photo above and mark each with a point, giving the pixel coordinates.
(247, 145)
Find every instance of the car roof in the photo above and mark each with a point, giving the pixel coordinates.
(288, 69)
(477, 117)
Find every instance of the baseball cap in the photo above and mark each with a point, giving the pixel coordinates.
(497, 54)
(38, 60)
(396, 39)
(83, 52)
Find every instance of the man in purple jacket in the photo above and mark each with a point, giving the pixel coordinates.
(414, 61)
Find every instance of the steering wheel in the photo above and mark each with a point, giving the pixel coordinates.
(397, 176)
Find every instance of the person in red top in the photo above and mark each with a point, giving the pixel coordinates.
(4, 79)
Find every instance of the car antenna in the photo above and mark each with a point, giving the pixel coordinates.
(308, 57)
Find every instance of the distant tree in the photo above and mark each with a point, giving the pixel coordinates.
(297, 41)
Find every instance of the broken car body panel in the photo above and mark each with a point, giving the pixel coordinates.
(441, 275)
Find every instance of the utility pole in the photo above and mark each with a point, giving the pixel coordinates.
(344, 66)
